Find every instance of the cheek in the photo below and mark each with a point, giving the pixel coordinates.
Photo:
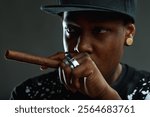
(115, 51)
(107, 56)
(69, 43)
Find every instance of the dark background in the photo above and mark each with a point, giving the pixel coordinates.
(24, 27)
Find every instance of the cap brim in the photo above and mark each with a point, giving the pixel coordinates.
(56, 9)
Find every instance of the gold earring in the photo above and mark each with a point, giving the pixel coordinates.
(129, 41)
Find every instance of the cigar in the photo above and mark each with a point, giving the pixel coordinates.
(33, 59)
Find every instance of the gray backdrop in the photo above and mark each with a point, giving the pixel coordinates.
(25, 28)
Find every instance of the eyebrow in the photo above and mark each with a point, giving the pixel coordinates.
(70, 23)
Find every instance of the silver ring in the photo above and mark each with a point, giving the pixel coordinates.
(68, 55)
(74, 63)
(66, 62)
(69, 60)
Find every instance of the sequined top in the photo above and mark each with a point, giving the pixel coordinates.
(131, 85)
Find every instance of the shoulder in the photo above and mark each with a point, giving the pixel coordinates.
(39, 87)
(47, 86)
(140, 85)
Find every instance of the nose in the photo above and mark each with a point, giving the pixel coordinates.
(84, 44)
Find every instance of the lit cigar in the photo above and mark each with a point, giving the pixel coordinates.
(33, 59)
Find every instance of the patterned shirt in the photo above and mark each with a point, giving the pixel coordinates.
(131, 85)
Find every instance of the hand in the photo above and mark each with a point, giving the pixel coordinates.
(85, 78)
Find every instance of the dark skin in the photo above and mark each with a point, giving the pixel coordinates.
(96, 41)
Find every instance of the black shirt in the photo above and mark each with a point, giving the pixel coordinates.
(132, 84)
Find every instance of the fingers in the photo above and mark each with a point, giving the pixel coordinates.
(84, 76)
(80, 73)
(76, 74)
(62, 77)
(59, 56)
(66, 76)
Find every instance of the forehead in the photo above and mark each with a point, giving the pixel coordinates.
(93, 16)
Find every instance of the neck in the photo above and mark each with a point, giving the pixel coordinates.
(117, 73)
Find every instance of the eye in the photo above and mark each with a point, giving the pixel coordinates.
(100, 30)
(72, 31)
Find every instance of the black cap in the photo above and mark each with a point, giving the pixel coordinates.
(125, 7)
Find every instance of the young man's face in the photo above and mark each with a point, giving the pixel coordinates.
(99, 36)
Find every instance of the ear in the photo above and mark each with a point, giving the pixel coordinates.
(129, 34)
(130, 30)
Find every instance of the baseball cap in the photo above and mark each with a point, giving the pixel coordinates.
(124, 7)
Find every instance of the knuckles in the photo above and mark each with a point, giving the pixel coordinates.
(85, 69)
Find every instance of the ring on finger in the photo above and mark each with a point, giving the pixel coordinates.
(74, 63)
(69, 60)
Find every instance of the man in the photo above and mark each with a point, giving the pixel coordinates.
(94, 36)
